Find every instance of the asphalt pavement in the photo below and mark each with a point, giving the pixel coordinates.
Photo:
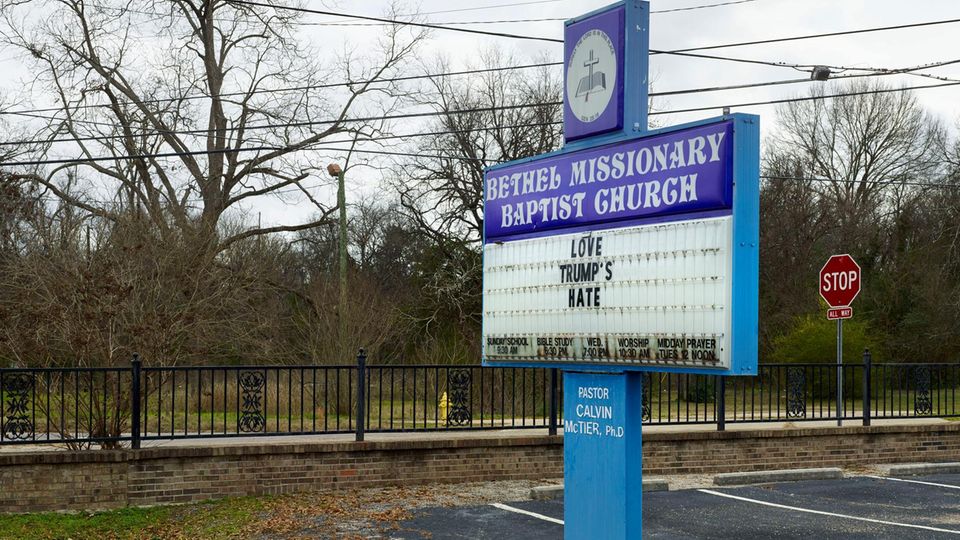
(918, 507)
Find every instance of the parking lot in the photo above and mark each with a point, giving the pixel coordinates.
(854, 507)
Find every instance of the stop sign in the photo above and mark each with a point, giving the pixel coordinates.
(840, 280)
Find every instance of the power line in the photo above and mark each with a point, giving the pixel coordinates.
(343, 141)
(654, 113)
(308, 87)
(502, 21)
(763, 177)
(555, 40)
(810, 98)
(883, 72)
(943, 185)
(517, 4)
(77, 161)
(691, 8)
(488, 33)
(334, 85)
(306, 123)
(526, 66)
(817, 36)
(677, 52)
(464, 158)
(394, 21)
(479, 8)
(877, 72)
(835, 181)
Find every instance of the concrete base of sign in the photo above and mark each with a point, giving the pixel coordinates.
(547, 493)
(765, 477)
(602, 415)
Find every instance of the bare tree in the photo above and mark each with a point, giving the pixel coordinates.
(221, 116)
(858, 174)
(795, 221)
(497, 116)
(494, 117)
(860, 147)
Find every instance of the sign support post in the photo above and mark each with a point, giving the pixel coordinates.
(839, 285)
(602, 455)
(839, 372)
(627, 251)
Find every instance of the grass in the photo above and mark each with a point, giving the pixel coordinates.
(222, 519)
(350, 513)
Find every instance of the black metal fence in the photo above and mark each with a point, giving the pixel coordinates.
(112, 407)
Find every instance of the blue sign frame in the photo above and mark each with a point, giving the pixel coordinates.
(744, 182)
(626, 116)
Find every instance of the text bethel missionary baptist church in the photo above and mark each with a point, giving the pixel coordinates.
(656, 175)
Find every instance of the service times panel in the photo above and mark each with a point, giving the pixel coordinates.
(657, 295)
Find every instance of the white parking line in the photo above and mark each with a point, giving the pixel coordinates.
(527, 513)
(949, 486)
(822, 513)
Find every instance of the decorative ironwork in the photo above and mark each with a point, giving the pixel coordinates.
(645, 398)
(252, 385)
(922, 402)
(66, 393)
(458, 382)
(796, 392)
(17, 391)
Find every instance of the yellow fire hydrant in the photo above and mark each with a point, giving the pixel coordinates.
(444, 407)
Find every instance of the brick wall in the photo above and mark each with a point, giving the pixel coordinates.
(117, 478)
(754, 450)
(190, 474)
(51, 481)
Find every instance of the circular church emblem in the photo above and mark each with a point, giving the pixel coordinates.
(591, 75)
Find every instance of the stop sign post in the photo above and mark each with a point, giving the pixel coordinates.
(839, 285)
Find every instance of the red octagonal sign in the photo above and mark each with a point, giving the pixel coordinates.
(840, 280)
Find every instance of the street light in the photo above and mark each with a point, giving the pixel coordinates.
(336, 171)
(820, 73)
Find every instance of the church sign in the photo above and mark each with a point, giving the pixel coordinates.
(636, 254)
(628, 250)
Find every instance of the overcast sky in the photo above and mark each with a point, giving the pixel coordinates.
(753, 20)
(749, 20)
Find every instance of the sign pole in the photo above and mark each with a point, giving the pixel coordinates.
(839, 372)
(625, 251)
(602, 467)
(839, 285)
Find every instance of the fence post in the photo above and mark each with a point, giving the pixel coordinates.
(720, 409)
(135, 402)
(553, 401)
(867, 405)
(361, 392)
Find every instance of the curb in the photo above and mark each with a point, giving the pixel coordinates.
(546, 493)
(786, 475)
(655, 484)
(916, 469)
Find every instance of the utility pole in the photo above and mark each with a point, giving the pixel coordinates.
(335, 171)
